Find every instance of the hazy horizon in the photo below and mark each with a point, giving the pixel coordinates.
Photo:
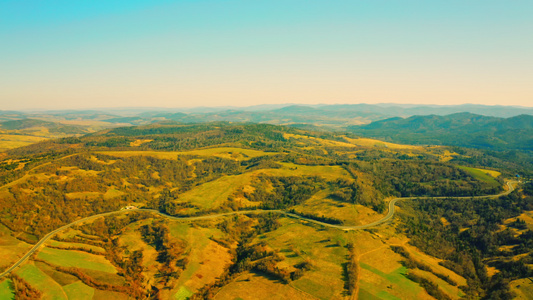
(82, 55)
(245, 107)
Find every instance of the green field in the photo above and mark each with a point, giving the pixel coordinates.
(11, 248)
(255, 286)
(78, 291)
(402, 288)
(6, 290)
(66, 245)
(39, 280)
(320, 204)
(207, 259)
(214, 193)
(323, 248)
(483, 175)
(79, 259)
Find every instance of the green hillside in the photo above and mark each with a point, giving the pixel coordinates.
(250, 208)
(463, 129)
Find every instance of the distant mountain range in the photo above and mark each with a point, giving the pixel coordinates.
(329, 116)
(460, 129)
(478, 126)
(40, 128)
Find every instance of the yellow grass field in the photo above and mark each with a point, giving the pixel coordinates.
(526, 217)
(431, 261)
(207, 259)
(365, 142)
(10, 141)
(214, 193)
(318, 140)
(137, 143)
(79, 291)
(82, 195)
(350, 214)
(523, 288)
(11, 249)
(299, 242)
(381, 276)
(112, 192)
(224, 152)
(490, 172)
(453, 291)
(131, 238)
(327, 172)
(251, 286)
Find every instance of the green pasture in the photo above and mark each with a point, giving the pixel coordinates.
(40, 281)
(482, 175)
(78, 259)
(59, 277)
(214, 193)
(66, 245)
(6, 289)
(79, 291)
(324, 248)
(394, 285)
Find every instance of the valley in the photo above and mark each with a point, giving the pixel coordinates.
(226, 211)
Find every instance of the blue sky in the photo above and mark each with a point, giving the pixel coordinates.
(82, 54)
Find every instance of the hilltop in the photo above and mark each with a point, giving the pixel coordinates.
(461, 129)
(186, 170)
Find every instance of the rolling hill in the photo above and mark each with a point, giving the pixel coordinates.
(461, 129)
(237, 209)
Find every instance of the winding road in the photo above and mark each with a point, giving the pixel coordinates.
(389, 215)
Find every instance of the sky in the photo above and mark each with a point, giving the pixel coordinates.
(59, 54)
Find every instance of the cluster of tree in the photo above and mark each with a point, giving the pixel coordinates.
(308, 158)
(411, 263)
(351, 270)
(77, 272)
(263, 162)
(425, 178)
(174, 136)
(250, 256)
(285, 191)
(460, 129)
(321, 218)
(512, 161)
(266, 222)
(23, 290)
(518, 224)
(129, 264)
(473, 238)
(367, 190)
(169, 250)
(41, 204)
(77, 248)
(269, 267)
(430, 287)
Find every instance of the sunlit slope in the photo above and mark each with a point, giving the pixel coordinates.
(208, 169)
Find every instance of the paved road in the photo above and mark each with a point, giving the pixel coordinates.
(389, 215)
